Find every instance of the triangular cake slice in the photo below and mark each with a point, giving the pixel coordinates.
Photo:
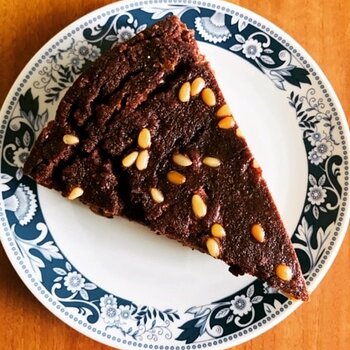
(145, 133)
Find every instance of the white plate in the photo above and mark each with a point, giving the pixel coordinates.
(126, 287)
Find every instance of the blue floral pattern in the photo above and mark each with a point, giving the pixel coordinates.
(213, 29)
(64, 66)
(223, 317)
(111, 316)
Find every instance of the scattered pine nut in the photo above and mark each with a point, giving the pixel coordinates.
(218, 231)
(239, 132)
(256, 165)
(157, 195)
(144, 139)
(69, 139)
(130, 159)
(258, 233)
(213, 247)
(175, 177)
(75, 193)
(208, 97)
(226, 123)
(184, 92)
(142, 160)
(211, 162)
(182, 160)
(199, 208)
(284, 272)
(223, 111)
(197, 86)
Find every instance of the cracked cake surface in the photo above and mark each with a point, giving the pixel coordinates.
(145, 133)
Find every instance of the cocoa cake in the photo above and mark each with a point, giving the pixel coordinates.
(145, 133)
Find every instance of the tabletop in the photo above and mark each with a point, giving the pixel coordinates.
(323, 29)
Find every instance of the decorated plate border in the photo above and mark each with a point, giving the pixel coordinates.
(120, 322)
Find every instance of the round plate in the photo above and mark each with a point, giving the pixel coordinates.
(126, 287)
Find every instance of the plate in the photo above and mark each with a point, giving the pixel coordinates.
(114, 280)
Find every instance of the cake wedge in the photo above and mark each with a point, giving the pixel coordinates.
(145, 133)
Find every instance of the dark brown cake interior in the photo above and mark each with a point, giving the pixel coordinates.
(136, 86)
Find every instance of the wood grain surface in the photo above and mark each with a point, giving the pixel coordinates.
(323, 29)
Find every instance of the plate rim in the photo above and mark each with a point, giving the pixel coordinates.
(219, 4)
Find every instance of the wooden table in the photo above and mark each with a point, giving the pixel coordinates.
(323, 29)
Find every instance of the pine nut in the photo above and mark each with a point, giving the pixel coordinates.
(199, 208)
(218, 231)
(284, 272)
(226, 123)
(197, 86)
(182, 160)
(239, 132)
(142, 160)
(208, 97)
(213, 247)
(130, 159)
(211, 162)
(175, 177)
(69, 139)
(75, 193)
(157, 195)
(255, 164)
(184, 92)
(223, 111)
(258, 233)
(144, 139)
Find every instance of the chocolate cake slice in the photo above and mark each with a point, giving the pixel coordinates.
(145, 133)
